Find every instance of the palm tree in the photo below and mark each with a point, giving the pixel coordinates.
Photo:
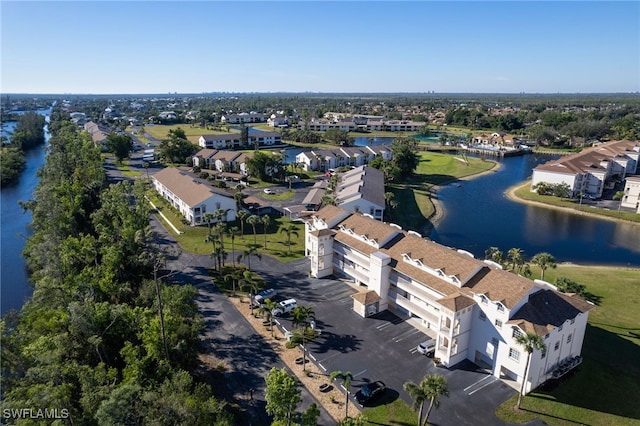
(251, 250)
(434, 386)
(234, 277)
(253, 220)
(530, 341)
(300, 316)
(233, 233)
(267, 308)
(419, 396)
(238, 196)
(494, 254)
(515, 255)
(249, 280)
(619, 196)
(346, 377)
(266, 221)
(242, 215)
(544, 261)
(289, 229)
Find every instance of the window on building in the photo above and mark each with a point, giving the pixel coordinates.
(557, 346)
(500, 307)
(482, 316)
(544, 353)
(546, 336)
(494, 341)
(573, 320)
(484, 299)
(498, 323)
(514, 354)
(516, 332)
(560, 328)
(569, 338)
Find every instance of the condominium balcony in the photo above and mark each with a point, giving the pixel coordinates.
(413, 307)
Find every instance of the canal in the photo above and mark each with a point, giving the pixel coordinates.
(14, 227)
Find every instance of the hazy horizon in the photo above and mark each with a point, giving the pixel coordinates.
(154, 47)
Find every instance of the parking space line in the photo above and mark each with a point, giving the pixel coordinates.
(312, 357)
(386, 324)
(362, 372)
(476, 382)
(484, 386)
(404, 335)
(322, 366)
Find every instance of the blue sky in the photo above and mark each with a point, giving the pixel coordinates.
(331, 46)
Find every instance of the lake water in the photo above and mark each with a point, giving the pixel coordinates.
(14, 227)
(478, 215)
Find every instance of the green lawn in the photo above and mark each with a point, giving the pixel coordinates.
(413, 196)
(605, 389)
(160, 131)
(192, 238)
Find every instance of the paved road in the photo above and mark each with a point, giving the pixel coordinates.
(228, 335)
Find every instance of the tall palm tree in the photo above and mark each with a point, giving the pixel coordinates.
(300, 316)
(619, 196)
(238, 196)
(266, 221)
(233, 233)
(419, 396)
(220, 229)
(435, 386)
(544, 261)
(267, 308)
(248, 279)
(529, 341)
(346, 378)
(242, 216)
(234, 277)
(251, 250)
(289, 229)
(516, 257)
(253, 220)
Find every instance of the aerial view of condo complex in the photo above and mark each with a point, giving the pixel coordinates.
(320, 213)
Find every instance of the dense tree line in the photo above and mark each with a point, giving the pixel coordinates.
(28, 134)
(103, 336)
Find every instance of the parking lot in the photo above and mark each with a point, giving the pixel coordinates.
(381, 347)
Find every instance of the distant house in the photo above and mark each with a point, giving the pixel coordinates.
(362, 190)
(591, 170)
(192, 197)
(278, 121)
(243, 118)
(223, 141)
(325, 159)
(631, 196)
(98, 134)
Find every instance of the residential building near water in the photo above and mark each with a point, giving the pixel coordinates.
(472, 308)
(192, 197)
(592, 170)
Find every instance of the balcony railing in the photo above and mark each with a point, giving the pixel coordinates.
(412, 307)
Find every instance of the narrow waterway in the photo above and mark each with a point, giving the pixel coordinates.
(14, 227)
(478, 215)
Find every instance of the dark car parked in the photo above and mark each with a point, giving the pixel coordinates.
(370, 392)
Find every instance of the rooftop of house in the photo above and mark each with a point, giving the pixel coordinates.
(548, 309)
(189, 189)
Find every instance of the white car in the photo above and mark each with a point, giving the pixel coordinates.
(284, 307)
(427, 348)
(269, 191)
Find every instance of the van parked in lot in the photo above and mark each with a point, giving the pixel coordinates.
(284, 307)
